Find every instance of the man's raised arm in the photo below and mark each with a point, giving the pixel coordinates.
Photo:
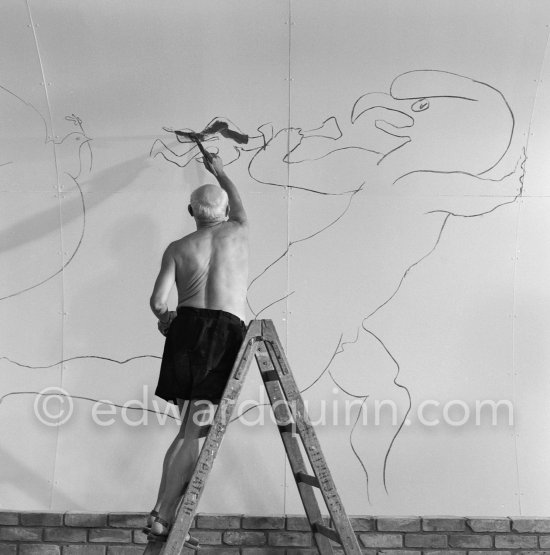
(237, 212)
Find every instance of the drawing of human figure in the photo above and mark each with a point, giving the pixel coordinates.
(433, 137)
(428, 147)
(430, 121)
(431, 149)
(228, 146)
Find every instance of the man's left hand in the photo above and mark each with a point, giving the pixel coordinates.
(163, 327)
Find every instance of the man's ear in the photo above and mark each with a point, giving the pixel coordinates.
(190, 210)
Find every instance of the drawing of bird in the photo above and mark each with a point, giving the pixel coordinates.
(43, 171)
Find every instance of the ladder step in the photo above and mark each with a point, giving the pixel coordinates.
(328, 532)
(204, 430)
(287, 428)
(270, 375)
(307, 479)
(192, 543)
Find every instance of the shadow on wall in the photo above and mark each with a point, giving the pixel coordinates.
(35, 226)
(30, 246)
(127, 247)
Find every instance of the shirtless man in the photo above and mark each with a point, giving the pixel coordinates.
(210, 270)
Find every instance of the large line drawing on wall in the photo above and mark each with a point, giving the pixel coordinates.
(437, 137)
(431, 149)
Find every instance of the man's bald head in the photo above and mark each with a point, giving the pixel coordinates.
(209, 204)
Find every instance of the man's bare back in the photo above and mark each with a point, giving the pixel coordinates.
(209, 266)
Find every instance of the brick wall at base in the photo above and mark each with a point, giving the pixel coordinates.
(72, 533)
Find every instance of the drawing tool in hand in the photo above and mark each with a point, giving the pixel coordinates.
(216, 127)
(207, 157)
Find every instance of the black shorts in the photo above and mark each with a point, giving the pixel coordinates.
(199, 352)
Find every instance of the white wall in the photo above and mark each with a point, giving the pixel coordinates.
(408, 263)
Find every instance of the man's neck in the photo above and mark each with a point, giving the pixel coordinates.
(205, 225)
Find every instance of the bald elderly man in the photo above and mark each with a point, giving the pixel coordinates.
(210, 270)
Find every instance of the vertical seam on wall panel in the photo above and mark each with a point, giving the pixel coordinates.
(516, 257)
(514, 404)
(288, 190)
(58, 192)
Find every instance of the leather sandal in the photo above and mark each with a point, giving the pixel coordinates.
(150, 519)
(162, 536)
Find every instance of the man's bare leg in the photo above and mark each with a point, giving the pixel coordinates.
(183, 407)
(179, 464)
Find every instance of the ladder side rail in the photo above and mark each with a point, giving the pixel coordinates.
(188, 506)
(309, 438)
(285, 422)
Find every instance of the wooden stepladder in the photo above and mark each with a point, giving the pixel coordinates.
(262, 342)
